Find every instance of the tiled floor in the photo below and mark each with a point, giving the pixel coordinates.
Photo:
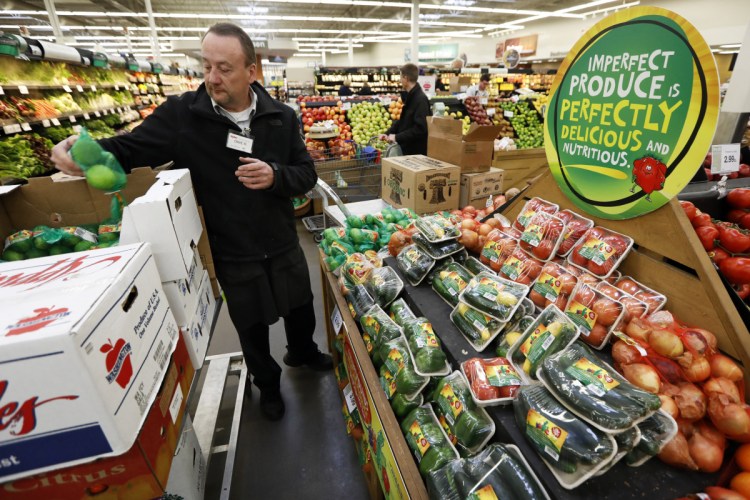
(307, 455)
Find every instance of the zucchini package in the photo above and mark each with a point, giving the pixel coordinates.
(437, 250)
(425, 348)
(384, 285)
(380, 328)
(581, 380)
(494, 296)
(449, 281)
(567, 443)
(497, 472)
(436, 228)
(469, 423)
(656, 431)
(551, 332)
(401, 312)
(425, 438)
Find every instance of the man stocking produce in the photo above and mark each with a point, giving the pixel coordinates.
(410, 131)
(247, 160)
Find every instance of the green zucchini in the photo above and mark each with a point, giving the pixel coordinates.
(519, 478)
(493, 296)
(437, 250)
(426, 440)
(488, 482)
(442, 483)
(384, 285)
(656, 431)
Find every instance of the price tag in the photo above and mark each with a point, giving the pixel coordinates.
(2, 92)
(491, 111)
(483, 101)
(347, 106)
(93, 88)
(67, 88)
(85, 116)
(97, 114)
(25, 127)
(55, 122)
(117, 87)
(386, 101)
(336, 320)
(72, 119)
(725, 158)
(508, 114)
(351, 403)
(105, 112)
(46, 123)
(23, 89)
(79, 88)
(12, 129)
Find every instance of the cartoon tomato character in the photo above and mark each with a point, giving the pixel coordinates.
(649, 174)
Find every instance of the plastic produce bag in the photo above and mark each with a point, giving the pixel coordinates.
(401, 312)
(437, 250)
(449, 281)
(384, 285)
(357, 268)
(101, 168)
(380, 328)
(494, 296)
(415, 263)
(425, 348)
(396, 360)
(359, 301)
(427, 440)
(436, 228)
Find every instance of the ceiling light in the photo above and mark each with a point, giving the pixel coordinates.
(252, 10)
(305, 55)
(731, 46)
(609, 9)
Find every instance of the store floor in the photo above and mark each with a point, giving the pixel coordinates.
(306, 455)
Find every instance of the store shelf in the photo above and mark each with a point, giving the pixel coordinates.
(84, 87)
(10, 127)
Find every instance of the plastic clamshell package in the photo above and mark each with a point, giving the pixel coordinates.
(379, 325)
(489, 402)
(634, 308)
(554, 330)
(412, 425)
(657, 298)
(384, 285)
(396, 358)
(478, 328)
(595, 314)
(414, 263)
(449, 280)
(531, 208)
(658, 429)
(436, 228)
(510, 333)
(595, 391)
(400, 312)
(576, 226)
(437, 250)
(561, 439)
(597, 248)
(420, 338)
(452, 397)
(494, 296)
(521, 268)
(475, 266)
(554, 284)
(542, 236)
(498, 246)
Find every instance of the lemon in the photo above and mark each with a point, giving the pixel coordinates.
(101, 177)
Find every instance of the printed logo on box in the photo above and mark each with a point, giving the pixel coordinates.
(44, 316)
(20, 418)
(60, 270)
(118, 363)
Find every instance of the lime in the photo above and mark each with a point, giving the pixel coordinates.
(40, 243)
(58, 249)
(82, 246)
(101, 177)
(10, 255)
(35, 253)
(86, 152)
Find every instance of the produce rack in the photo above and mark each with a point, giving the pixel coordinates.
(667, 257)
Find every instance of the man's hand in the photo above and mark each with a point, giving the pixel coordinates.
(62, 160)
(389, 137)
(255, 174)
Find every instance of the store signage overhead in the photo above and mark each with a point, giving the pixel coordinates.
(438, 53)
(511, 58)
(525, 45)
(632, 113)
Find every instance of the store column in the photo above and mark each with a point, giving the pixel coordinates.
(415, 31)
(735, 110)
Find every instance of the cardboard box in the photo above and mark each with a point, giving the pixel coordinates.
(520, 159)
(420, 183)
(476, 188)
(187, 477)
(197, 332)
(167, 217)
(459, 84)
(182, 294)
(207, 257)
(141, 472)
(472, 152)
(84, 345)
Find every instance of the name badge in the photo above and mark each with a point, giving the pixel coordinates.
(240, 142)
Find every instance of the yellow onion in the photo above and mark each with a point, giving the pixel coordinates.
(730, 418)
(624, 354)
(669, 406)
(666, 343)
(721, 385)
(677, 453)
(695, 368)
(638, 329)
(691, 401)
(724, 366)
(706, 454)
(643, 376)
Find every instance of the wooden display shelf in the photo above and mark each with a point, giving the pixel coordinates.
(669, 258)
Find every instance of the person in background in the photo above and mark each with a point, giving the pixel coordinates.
(245, 190)
(366, 90)
(439, 85)
(410, 131)
(481, 89)
(345, 88)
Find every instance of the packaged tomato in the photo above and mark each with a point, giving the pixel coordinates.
(554, 286)
(600, 251)
(520, 267)
(634, 308)
(530, 209)
(510, 231)
(497, 248)
(542, 236)
(575, 227)
(653, 299)
(493, 381)
(595, 314)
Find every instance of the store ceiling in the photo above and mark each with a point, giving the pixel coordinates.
(104, 21)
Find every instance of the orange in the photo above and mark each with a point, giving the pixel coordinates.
(742, 456)
(741, 483)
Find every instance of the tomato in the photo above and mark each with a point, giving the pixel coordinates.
(588, 279)
(652, 300)
(544, 250)
(609, 291)
(733, 240)
(537, 298)
(628, 286)
(743, 291)
(578, 259)
(735, 215)
(601, 269)
(744, 170)
(596, 336)
(532, 269)
(585, 296)
(718, 254)
(634, 307)
(736, 270)
(689, 209)
(701, 219)
(744, 222)
(607, 311)
(509, 391)
(619, 243)
(484, 391)
(708, 236)
(567, 283)
(739, 198)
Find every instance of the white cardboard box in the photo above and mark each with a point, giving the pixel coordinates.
(187, 476)
(84, 344)
(198, 331)
(182, 294)
(167, 217)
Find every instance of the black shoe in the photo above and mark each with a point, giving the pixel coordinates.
(271, 405)
(248, 388)
(318, 361)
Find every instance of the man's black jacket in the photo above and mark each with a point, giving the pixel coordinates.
(411, 128)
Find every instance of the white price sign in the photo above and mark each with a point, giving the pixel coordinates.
(72, 119)
(12, 129)
(85, 116)
(67, 88)
(25, 127)
(351, 403)
(55, 122)
(508, 114)
(347, 106)
(23, 89)
(491, 111)
(46, 123)
(117, 87)
(725, 158)
(483, 101)
(97, 114)
(79, 88)
(93, 88)
(2, 92)
(336, 320)
(386, 101)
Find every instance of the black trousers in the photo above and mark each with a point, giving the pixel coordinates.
(299, 326)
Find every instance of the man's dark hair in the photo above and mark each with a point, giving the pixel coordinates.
(485, 78)
(229, 29)
(411, 72)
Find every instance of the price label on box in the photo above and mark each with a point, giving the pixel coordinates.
(67, 88)
(336, 320)
(46, 123)
(725, 158)
(55, 122)
(79, 88)
(23, 89)
(508, 114)
(25, 127)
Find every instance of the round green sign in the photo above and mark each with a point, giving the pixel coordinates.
(632, 113)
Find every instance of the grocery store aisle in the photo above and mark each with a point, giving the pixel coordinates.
(308, 453)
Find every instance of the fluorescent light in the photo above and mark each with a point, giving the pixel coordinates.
(729, 52)
(493, 10)
(555, 13)
(306, 55)
(609, 9)
(252, 10)
(731, 46)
